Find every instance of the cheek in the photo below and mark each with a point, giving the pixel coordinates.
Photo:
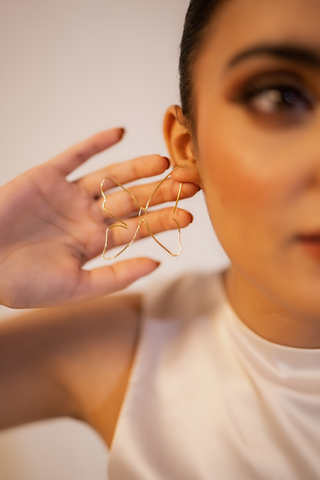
(255, 185)
(245, 170)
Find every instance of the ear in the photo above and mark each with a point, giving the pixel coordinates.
(180, 147)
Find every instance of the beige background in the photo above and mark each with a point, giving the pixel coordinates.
(70, 68)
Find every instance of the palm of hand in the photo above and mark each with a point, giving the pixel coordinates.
(49, 230)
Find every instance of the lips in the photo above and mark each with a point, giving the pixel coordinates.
(311, 234)
(311, 244)
(310, 238)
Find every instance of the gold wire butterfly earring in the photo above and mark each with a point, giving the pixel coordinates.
(142, 218)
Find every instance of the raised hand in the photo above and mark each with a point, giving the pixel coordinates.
(50, 227)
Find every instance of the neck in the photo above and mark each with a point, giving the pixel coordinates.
(266, 318)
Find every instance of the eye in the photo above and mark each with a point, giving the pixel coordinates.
(276, 93)
(278, 98)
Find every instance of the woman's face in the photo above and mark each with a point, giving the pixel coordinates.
(257, 86)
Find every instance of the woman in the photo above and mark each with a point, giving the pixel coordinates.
(216, 376)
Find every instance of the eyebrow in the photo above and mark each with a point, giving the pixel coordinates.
(305, 56)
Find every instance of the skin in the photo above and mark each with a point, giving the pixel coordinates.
(70, 361)
(260, 172)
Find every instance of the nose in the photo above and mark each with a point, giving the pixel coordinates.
(309, 148)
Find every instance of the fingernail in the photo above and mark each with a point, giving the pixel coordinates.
(122, 132)
(157, 264)
(186, 211)
(169, 162)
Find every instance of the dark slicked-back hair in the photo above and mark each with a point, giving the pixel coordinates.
(197, 18)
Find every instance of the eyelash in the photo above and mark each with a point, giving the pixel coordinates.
(287, 95)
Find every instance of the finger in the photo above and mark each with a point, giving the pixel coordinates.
(188, 174)
(122, 205)
(111, 279)
(159, 221)
(72, 158)
(125, 172)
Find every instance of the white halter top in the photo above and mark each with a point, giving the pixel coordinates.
(209, 399)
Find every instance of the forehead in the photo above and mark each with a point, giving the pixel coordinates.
(241, 24)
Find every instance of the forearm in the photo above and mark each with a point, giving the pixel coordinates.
(29, 385)
(69, 361)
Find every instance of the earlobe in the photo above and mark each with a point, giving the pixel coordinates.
(179, 144)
